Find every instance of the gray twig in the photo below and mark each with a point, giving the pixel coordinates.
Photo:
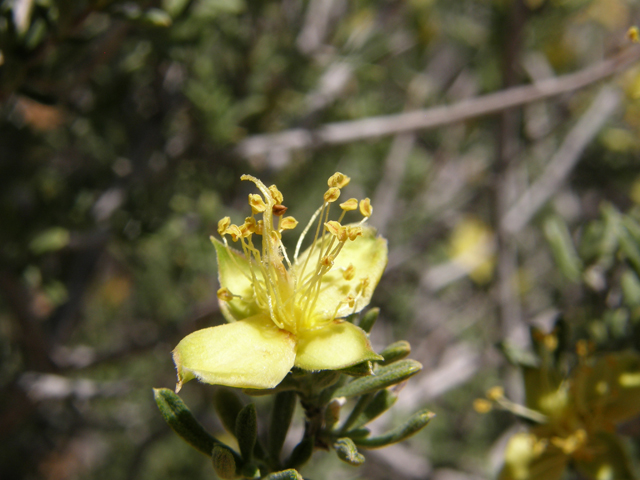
(349, 131)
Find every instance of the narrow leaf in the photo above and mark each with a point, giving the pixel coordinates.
(224, 462)
(247, 431)
(381, 402)
(563, 248)
(396, 351)
(182, 421)
(284, 405)
(227, 405)
(369, 319)
(301, 453)
(348, 452)
(383, 378)
(359, 370)
(290, 474)
(412, 426)
(358, 408)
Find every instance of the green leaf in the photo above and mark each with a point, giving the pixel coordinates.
(224, 462)
(50, 240)
(369, 319)
(383, 378)
(182, 421)
(227, 405)
(564, 252)
(629, 247)
(284, 405)
(348, 452)
(630, 288)
(417, 422)
(247, 431)
(290, 474)
(301, 453)
(381, 402)
(157, 18)
(359, 370)
(396, 351)
(358, 408)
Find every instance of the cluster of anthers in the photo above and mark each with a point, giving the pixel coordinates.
(290, 294)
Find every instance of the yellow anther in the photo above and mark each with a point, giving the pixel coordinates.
(540, 446)
(550, 342)
(288, 223)
(364, 282)
(259, 227)
(257, 203)
(365, 207)
(333, 227)
(327, 260)
(582, 348)
(225, 295)
(235, 232)
(351, 301)
(279, 210)
(338, 180)
(633, 34)
(349, 205)
(275, 194)
(495, 393)
(482, 405)
(349, 273)
(223, 224)
(332, 195)
(249, 226)
(354, 232)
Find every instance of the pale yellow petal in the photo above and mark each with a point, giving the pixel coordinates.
(368, 256)
(234, 274)
(337, 345)
(251, 353)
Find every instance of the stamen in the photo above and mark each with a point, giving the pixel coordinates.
(332, 195)
(223, 224)
(225, 295)
(305, 231)
(257, 203)
(275, 194)
(365, 208)
(288, 223)
(349, 273)
(338, 180)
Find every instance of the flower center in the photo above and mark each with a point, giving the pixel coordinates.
(288, 291)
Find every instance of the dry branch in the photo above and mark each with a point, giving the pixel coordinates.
(349, 131)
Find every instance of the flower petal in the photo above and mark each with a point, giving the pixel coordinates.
(335, 346)
(251, 353)
(234, 274)
(368, 255)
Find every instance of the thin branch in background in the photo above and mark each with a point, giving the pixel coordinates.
(564, 160)
(375, 127)
(558, 169)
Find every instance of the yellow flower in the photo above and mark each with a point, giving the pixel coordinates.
(285, 312)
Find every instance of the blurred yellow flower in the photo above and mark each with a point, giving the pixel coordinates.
(471, 246)
(287, 312)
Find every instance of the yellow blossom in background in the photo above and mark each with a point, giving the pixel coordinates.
(471, 246)
(287, 310)
(578, 416)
